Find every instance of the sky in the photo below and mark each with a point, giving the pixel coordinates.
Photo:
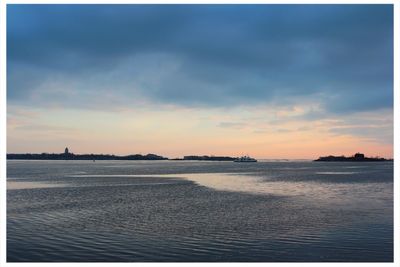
(271, 81)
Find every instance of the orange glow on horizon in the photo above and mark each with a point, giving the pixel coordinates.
(176, 133)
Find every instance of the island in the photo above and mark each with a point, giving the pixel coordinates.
(356, 157)
(71, 156)
(209, 158)
(67, 155)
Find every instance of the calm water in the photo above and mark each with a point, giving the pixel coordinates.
(136, 211)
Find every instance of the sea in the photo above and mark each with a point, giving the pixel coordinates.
(198, 211)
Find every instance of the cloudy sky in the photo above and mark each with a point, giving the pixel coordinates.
(272, 81)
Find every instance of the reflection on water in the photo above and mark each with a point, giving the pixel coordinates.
(199, 211)
(337, 173)
(218, 181)
(255, 184)
(13, 185)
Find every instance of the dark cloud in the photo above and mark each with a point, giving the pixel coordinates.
(205, 55)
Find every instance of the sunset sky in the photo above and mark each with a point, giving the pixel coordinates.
(271, 81)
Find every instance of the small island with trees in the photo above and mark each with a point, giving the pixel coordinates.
(355, 157)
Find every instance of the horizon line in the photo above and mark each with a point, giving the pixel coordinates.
(178, 157)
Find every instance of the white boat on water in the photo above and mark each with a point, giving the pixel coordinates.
(245, 159)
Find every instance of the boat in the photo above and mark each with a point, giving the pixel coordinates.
(245, 159)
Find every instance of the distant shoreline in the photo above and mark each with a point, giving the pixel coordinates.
(94, 157)
(358, 157)
(71, 156)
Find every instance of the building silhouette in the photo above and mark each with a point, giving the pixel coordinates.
(359, 156)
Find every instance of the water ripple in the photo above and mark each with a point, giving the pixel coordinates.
(134, 213)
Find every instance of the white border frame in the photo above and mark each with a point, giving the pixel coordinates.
(3, 119)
